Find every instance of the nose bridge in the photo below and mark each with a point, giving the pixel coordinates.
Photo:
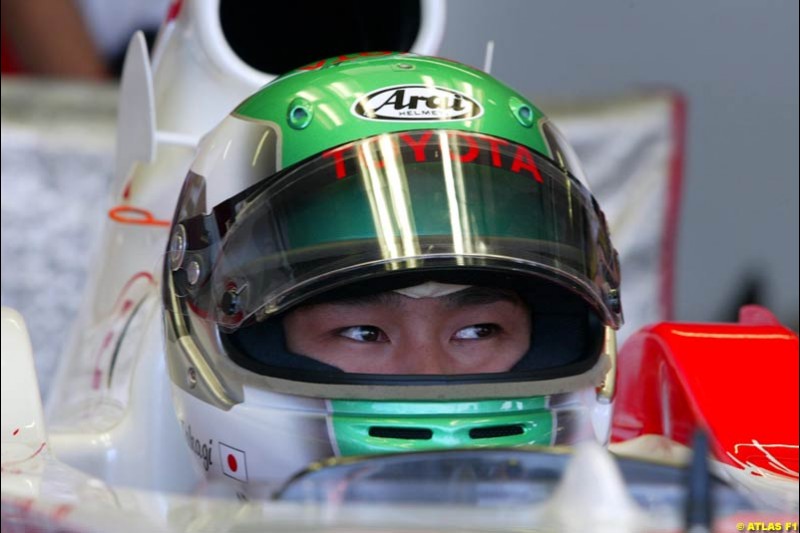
(425, 353)
(424, 350)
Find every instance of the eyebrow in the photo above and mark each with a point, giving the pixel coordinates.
(468, 297)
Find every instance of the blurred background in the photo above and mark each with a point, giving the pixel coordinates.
(735, 63)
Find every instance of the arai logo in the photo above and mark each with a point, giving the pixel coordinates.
(418, 103)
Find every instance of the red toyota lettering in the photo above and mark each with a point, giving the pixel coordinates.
(472, 152)
(494, 148)
(338, 159)
(417, 145)
(523, 160)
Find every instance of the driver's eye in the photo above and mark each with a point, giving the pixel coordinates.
(364, 334)
(476, 331)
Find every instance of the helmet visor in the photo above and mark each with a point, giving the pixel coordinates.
(390, 205)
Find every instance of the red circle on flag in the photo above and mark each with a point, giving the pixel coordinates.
(232, 464)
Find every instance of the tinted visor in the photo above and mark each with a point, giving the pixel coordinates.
(390, 206)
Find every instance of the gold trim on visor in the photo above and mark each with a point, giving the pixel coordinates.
(606, 392)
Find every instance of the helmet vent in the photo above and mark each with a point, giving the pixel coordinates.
(401, 433)
(492, 432)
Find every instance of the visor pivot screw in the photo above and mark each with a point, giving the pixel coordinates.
(177, 248)
(193, 272)
(614, 300)
(404, 66)
(522, 111)
(300, 113)
(230, 302)
(191, 377)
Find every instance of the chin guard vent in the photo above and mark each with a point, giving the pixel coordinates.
(405, 433)
(401, 433)
(493, 432)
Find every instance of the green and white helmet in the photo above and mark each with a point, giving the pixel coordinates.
(371, 173)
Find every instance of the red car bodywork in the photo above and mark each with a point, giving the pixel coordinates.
(739, 382)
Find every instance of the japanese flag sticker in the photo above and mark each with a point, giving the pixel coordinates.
(233, 461)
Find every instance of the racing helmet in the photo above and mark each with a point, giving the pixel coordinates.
(366, 174)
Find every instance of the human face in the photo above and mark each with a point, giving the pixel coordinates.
(476, 330)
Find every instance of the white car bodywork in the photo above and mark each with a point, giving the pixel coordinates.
(112, 454)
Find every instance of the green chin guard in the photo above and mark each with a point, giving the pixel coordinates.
(373, 427)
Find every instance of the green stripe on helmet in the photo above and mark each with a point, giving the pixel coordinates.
(331, 90)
